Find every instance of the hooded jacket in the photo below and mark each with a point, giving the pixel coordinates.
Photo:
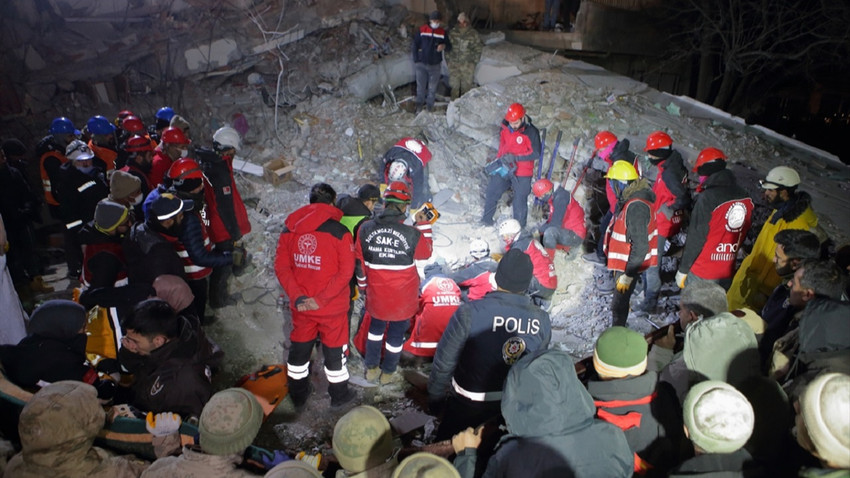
(149, 254)
(58, 427)
(176, 376)
(315, 258)
(551, 426)
(354, 213)
(757, 277)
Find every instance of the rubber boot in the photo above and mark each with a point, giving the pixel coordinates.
(300, 390)
(340, 393)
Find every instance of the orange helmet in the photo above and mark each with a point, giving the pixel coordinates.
(515, 112)
(132, 124)
(658, 140)
(138, 144)
(603, 139)
(397, 191)
(542, 187)
(183, 169)
(172, 135)
(707, 155)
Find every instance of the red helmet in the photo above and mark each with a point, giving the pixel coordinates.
(603, 139)
(172, 135)
(397, 191)
(121, 115)
(542, 187)
(138, 144)
(515, 112)
(184, 168)
(132, 124)
(707, 155)
(658, 140)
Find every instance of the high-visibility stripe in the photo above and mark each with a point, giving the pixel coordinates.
(336, 376)
(618, 236)
(189, 268)
(86, 186)
(393, 349)
(375, 338)
(424, 345)
(476, 396)
(183, 253)
(74, 224)
(389, 267)
(297, 372)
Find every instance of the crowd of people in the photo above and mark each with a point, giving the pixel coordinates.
(752, 380)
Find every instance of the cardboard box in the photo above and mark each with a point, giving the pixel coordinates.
(277, 171)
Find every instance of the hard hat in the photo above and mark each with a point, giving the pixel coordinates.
(515, 112)
(397, 191)
(78, 150)
(227, 136)
(509, 228)
(707, 155)
(658, 140)
(165, 113)
(397, 170)
(100, 125)
(780, 177)
(137, 144)
(425, 464)
(362, 439)
(479, 248)
(183, 169)
(132, 124)
(542, 187)
(622, 171)
(172, 135)
(62, 125)
(603, 139)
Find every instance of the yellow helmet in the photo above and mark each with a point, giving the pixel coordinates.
(622, 171)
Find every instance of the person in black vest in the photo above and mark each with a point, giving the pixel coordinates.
(483, 339)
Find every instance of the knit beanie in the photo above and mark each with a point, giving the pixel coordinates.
(825, 406)
(425, 465)
(180, 122)
(722, 347)
(620, 352)
(369, 192)
(123, 185)
(719, 418)
(229, 422)
(514, 271)
(108, 215)
(57, 319)
(293, 469)
(174, 290)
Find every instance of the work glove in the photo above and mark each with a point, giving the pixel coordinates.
(681, 279)
(163, 424)
(623, 283)
(271, 459)
(238, 256)
(312, 460)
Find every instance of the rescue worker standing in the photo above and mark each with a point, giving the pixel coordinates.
(483, 339)
(386, 250)
(429, 43)
(139, 160)
(464, 56)
(672, 199)
(719, 223)
(51, 154)
(631, 242)
(173, 146)
(792, 209)
(519, 147)
(102, 142)
(314, 262)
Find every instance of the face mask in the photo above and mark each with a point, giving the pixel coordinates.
(184, 153)
(655, 161)
(435, 25)
(702, 179)
(138, 200)
(87, 169)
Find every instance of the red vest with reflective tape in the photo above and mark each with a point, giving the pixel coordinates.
(91, 250)
(439, 299)
(727, 229)
(667, 226)
(193, 271)
(617, 246)
(45, 179)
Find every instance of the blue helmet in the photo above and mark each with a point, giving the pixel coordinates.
(165, 113)
(100, 125)
(62, 125)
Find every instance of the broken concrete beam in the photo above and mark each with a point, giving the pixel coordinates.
(394, 70)
(216, 54)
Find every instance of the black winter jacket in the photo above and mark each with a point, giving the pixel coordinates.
(149, 255)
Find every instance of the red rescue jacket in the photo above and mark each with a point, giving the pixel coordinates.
(439, 299)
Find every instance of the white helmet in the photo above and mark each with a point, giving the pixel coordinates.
(78, 150)
(397, 170)
(227, 136)
(479, 248)
(509, 228)
(780, 177)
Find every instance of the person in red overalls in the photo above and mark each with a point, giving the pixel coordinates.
(519, 147)
(672, 200)
(438, 300)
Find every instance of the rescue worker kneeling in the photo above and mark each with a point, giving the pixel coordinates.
(483, 340)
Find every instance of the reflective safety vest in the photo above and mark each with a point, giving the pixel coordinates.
(45, 179)
(192, 270)
(617, 246)
(91, 250)
(107, 155)
(727, 228)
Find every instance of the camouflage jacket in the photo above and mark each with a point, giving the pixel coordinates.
(466, 47)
